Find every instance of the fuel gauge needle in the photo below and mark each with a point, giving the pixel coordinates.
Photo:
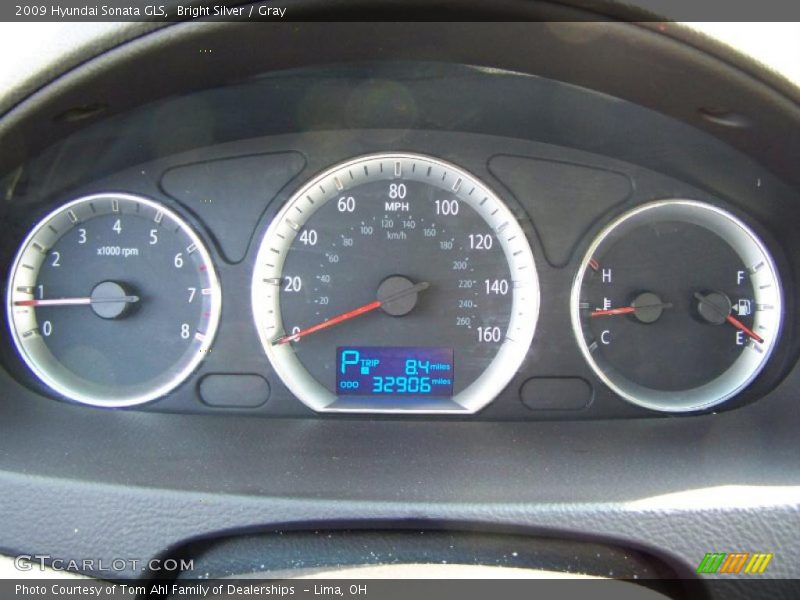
(713, 301)
(742, 327)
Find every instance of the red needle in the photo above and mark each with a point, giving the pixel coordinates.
(75, 301)
(329, 323)
(742, 327)
(54, 302)
(625, 310)
(423, 285)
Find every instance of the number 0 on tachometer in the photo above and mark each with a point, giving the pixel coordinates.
(395, 283)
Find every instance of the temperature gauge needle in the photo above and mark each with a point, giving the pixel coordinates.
(627, 310)
(74, 301)
(374, 305)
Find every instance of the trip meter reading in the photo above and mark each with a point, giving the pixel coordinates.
(394, 263)
(677, 305)
(113, 300)
(395, 371)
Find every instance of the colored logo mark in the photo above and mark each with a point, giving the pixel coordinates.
(734, 562)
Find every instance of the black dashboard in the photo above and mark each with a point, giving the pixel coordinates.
(544, 285)
(103, 235)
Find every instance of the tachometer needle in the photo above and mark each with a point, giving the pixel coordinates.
(375, 304)
(74, 301)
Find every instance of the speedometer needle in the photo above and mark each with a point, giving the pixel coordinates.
(74, 301)
(375, 304)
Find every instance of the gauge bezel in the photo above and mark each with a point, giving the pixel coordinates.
(311, 196)
(749, 247)
(45, 366)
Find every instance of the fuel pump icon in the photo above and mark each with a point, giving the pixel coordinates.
(743, 307)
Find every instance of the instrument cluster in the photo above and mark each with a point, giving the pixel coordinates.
(396, 282)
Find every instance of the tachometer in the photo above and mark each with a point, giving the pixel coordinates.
(395, 283)
(113, 300)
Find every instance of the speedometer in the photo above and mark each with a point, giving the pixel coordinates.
(395, 283)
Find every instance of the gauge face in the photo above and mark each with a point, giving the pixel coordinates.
(677, 305)
(113, 300)
(395, 283)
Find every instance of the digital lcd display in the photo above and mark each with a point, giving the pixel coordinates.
(394, 371)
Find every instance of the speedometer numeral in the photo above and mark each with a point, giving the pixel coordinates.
(346, 204)
(292, 284)
(489, 335)
(309, 237)
(447, 207)
(481, 241)
(496, 286)
(397, 191)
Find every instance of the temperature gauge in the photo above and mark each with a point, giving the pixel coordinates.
(677, 305)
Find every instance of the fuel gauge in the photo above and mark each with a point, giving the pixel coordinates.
(677, 305)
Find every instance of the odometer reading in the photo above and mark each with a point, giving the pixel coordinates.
(395, 251)
(395, 371)
(113, 300)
